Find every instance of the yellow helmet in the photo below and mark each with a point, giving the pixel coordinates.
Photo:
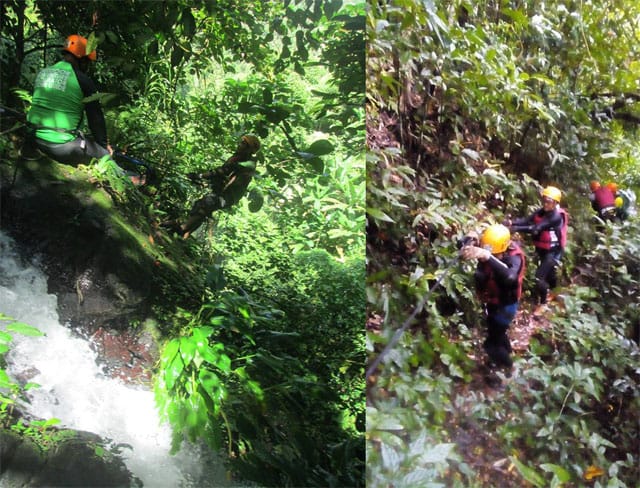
(619, 202)
(252, 142)
(496, 238)
(553, 193)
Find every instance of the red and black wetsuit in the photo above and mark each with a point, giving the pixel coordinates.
(549, 235)
(603, 201)
(499, 284)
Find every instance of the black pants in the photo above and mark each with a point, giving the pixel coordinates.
(497, 345)
(546, 276)
(75, 152)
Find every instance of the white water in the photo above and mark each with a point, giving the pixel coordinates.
(74, 390)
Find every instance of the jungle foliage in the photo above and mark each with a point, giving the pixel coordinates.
(267, 361)
(467, 101)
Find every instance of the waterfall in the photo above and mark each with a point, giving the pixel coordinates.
(75, 390)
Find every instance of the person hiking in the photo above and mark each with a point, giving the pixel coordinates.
(498, 277)
(625, 204)
(603, 200)
(228, 184)
(548, 226)
(58, 108)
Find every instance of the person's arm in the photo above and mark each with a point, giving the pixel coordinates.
(524, 224)
(553, 220)
(93, 110)
(220, 172)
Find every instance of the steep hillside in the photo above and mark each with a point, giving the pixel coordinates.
(463, 133)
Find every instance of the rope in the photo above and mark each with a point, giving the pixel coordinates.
(407, 323)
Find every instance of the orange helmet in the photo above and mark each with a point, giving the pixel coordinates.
(594, 185)
(77, 45)
(612, 186)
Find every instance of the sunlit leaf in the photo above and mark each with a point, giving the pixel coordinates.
(320, 148)
(5, 381)
(593, 472)
(25, 329)
(438, 453)
(528, 473)
(562, 474)
(187, 350)
(379, 214)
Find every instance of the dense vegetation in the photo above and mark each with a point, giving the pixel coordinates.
(467, 100)
(267, 360)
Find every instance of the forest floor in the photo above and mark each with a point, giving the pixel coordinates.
(477, 447)
(487, 458)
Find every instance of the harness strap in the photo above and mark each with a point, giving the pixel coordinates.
(607, 212)
(35, 127)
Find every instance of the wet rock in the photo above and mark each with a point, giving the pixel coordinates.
(71, 459)
(95, 248)
(125, 355)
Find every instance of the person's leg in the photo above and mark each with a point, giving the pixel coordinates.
(199, 212)
(545, 276)
(73, 153)
(497, 344)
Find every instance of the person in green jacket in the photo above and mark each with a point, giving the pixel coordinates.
(57, 108)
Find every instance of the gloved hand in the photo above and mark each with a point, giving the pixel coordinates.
(473, 252)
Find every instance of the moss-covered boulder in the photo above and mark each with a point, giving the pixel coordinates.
(60, 458)
(106, 260)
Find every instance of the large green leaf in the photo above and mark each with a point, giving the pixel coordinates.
(5, 338)
(528, 473)
(320, 148)
(25, 329)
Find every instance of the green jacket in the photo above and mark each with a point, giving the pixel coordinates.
(56, 103)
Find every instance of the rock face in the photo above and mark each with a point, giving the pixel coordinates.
(77, 459)
(100, 252)
(98, 247)
(97, 269)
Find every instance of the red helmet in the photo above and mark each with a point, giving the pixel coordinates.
(595, 185)
(77, 45)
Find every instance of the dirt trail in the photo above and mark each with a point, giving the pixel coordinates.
(478, 448)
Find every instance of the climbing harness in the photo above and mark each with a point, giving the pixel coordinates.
(396, 337)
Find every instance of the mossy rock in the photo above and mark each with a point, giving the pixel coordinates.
(69, 458)
(104, 255)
